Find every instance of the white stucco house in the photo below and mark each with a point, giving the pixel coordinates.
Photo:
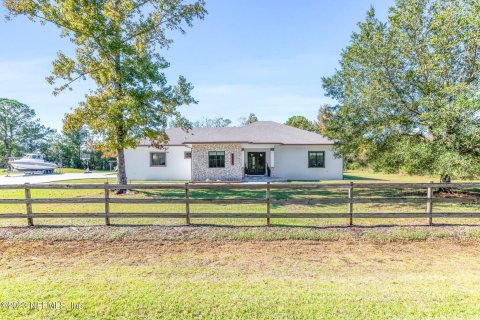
(263, 148)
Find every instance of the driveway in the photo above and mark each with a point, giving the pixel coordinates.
(44, 178)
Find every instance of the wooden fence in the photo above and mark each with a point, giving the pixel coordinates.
(347, 189)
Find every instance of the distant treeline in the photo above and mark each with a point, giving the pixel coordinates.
(21, 132)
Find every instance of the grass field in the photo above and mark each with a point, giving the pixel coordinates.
(73, 170)
(341, 279)
(239, 269)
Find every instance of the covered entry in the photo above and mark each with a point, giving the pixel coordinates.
(256, 163)
(258, 159)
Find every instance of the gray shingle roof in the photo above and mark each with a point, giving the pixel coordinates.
(261, 132)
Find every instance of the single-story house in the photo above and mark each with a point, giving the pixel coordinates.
(263, 148)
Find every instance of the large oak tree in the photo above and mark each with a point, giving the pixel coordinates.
(408, 90)
(118, 44)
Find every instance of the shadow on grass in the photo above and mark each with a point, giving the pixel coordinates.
(350, 177)
(242, 193)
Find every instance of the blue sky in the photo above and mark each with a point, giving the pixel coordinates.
(261, 56)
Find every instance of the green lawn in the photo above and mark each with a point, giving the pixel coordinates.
(297, 269)
(64, 170)
(292, 209)
(73, 170)
(242, 279)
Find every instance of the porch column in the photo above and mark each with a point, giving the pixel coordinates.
(272, 162)
(272, 157)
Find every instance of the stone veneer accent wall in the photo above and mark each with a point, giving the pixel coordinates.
(201, 171)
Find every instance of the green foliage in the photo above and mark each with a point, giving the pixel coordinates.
(300, 122)
(117, 46)
(408, 90)
(72, 145)
(71, 148)
(353, 165)
(325, 112)
(21, 132)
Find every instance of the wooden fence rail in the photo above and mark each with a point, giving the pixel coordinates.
(187, 200)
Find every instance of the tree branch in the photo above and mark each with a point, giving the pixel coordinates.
(80, 75)
(105, 52)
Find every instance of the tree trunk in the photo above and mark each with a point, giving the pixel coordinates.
(445, 178)
(121, 173)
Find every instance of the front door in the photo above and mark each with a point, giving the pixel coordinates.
(256, 163)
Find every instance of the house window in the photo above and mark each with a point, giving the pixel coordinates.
(158, 159)
(316, 159)
(187, 155)
(216, 159)
(232, 159)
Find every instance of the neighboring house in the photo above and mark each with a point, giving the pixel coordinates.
(263, 148)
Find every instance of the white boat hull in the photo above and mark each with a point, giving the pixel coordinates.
(32, 165)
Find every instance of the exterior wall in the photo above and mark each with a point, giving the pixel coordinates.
(137, 162)
(201, 171)
(291, 162)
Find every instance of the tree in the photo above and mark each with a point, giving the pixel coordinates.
(325, 112)
(71, 148)
(72, 144)
(212, 123)
(117, 46)
(21, 132)
(250, 119)
(300, 122)
(408, 90)
(50, 146)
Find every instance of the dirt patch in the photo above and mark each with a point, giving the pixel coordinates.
(181, 233)
(102, 251)
(291, 259)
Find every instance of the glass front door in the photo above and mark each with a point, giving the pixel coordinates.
(256, 163)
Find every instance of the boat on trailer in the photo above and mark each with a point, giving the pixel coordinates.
(33, 162)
